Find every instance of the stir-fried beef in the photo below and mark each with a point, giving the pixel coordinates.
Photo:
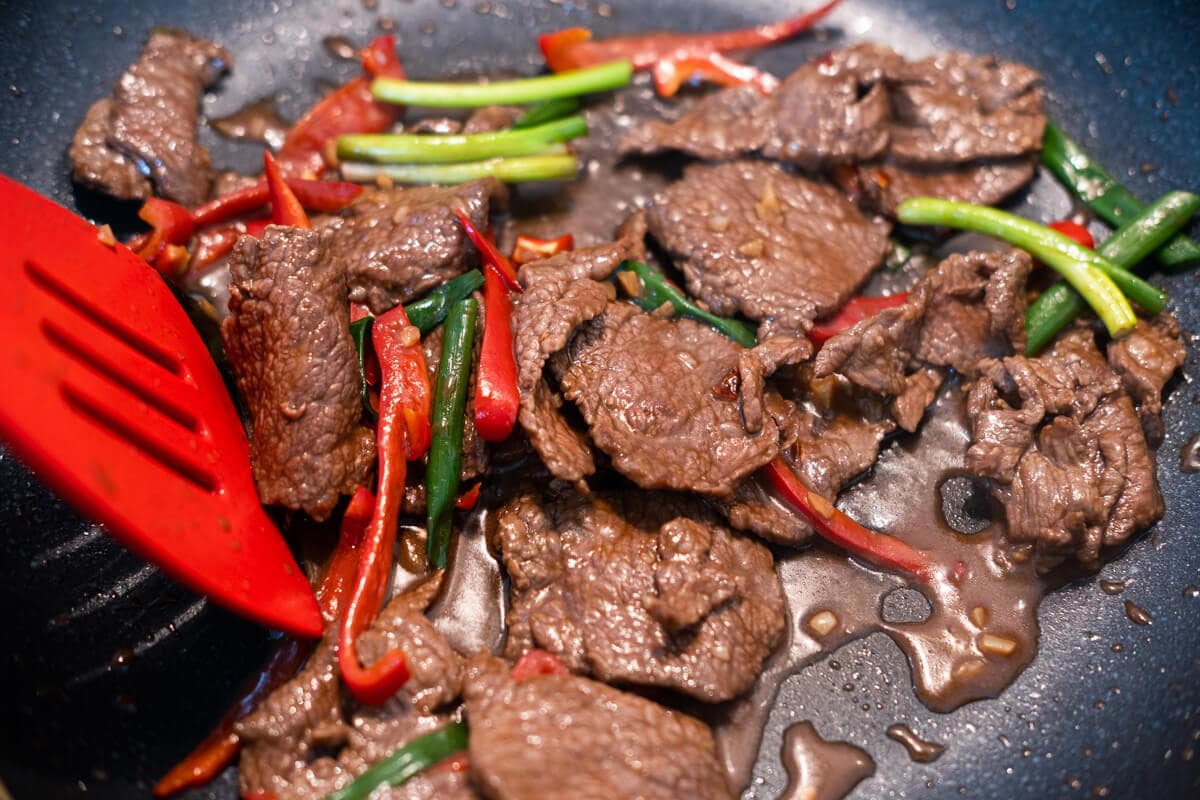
(754, 239)
(492, 118)
(650, 391)
(885, 186)
(971, 307)
(566, 736)
(724, 124)
(310, 738)
(394, 245)
(834, 110)
(640, 588)
(288, 340)
(1064, 450)
(828, 451)
(1146, 359)
(146, 131)
(561, 293)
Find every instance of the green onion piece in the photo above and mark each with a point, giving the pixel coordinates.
(1111, 201)
(601, 78)
(1056, 307)
(1080, 266)
(546, 111)
(414, 757)
(656, 290)
(554, 164)
(360, 332)
(429, 312)
(421, 148)
(444, 468)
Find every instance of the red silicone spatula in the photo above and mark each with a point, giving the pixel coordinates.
(110, 396)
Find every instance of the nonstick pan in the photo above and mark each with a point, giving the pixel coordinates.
(109, 672)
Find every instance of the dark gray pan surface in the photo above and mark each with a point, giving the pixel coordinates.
(1107, 706)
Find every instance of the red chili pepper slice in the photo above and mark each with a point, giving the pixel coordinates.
(212, 245)
(348, 109)
(285, 207)
(403, 431)
(489, 253)
(171, 224)
(497, 398)
(574, 48)
(671, 73)
(875, 548)
(321, 196)
(529, 248)
(855, 311)
(468, 499)
(220, 747)
(537, 662)
(1075, 232)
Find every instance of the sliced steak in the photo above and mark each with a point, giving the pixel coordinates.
(1064, 451)
(640, 588)
(566, 736)
(492, 118)
(956, 108)
(650, 391)
(1146, 359)
(310, 738)
(754, 239)
(148, 127)
(394, 245)
(288, 341)
(883, 187)
(834, 110)
(724, 124)
(561, 293)
(972, 306)
(97, 165)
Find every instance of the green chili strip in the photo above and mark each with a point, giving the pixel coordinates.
(423, 148)
(555, 163)
(546, 111)
(360, 332)
(1111, 201)
(655, 290)
(414, 757)
(429, 312)
(600, 78)
(1084, 269)
(449, 406)
(1060, 304)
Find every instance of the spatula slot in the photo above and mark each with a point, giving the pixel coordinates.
(87, 306)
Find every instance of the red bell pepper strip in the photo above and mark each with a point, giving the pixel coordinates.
(497, 398)
(855, 311)
(468, 499)
(220, 747)
(171, 224)
(489, 253)
(529, 248)
(285, 207)
(537, 662)
(212, 245)
(314, 195)
(1076, 232)
(348, 109)
(403, 432)
(879, 549)
(671, 73)
(574, 48)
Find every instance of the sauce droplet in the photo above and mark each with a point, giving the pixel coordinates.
(123, 657)
(255, 122)
(1112, 587)
(818, 769)
(919, 749)
(1137, 614)
(340, 47)
(1191, 591)
(1189, 456)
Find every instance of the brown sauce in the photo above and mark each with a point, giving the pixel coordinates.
(1137, 614)
(818, 769)
(257, 121)
(1189, 456)
(919, 749)
(340, 47)
(1112, 587)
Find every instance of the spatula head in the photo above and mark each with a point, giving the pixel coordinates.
(111, 397)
